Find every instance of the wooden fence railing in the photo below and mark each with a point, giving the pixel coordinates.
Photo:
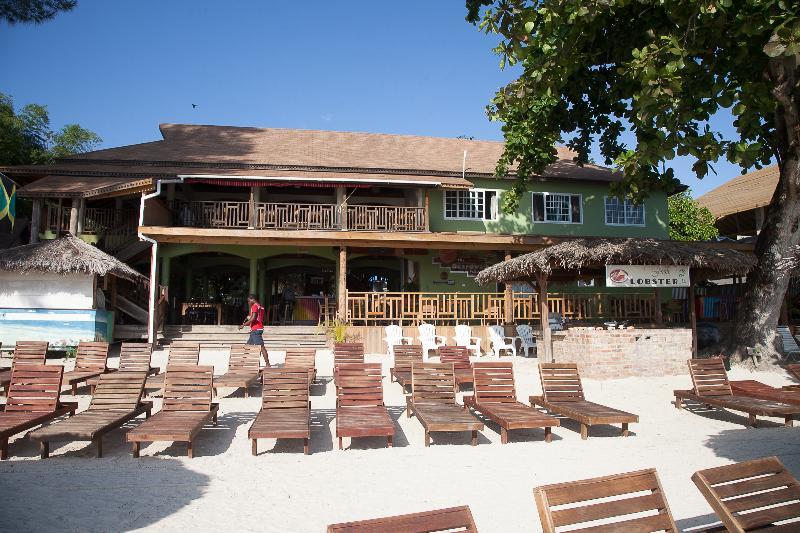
(297, 216)
(376, 308)
(385, 218)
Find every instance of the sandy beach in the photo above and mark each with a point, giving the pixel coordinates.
(281, 490)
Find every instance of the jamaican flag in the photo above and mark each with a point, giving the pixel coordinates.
(8, 203)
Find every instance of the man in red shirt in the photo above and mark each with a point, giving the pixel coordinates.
(256, 322)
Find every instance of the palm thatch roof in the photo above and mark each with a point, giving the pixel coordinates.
(594, 253)
(65, 255)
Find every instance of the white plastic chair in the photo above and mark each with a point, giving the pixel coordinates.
(525, 333)
(393, 334)
(429, 339)
(499, 342)
(464, 338)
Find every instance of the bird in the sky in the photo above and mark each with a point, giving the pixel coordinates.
(194, 105)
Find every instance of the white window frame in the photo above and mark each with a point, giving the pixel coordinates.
(495, 207)
(605, 214)
(544, 206)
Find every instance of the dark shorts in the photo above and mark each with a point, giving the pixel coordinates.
(256, 337)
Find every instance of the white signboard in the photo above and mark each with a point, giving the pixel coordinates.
(647, 276)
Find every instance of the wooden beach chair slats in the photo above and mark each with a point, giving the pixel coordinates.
(709, 377)
(433, 383)
(578, 503)
(244, 358)
(302, 358)
(188, 388)
(561, 381)
(348, 352)
(30, 352)
(284, 388)
(405, 356)
(756, 389)
(34, 388)
(135, 357)
(752, 495)
(119, 391)
(91, 356)
(458, 356)
(494, 382)
(183, 353)
(794, 370)
(285, 411)
(452, 520)
(359, 384)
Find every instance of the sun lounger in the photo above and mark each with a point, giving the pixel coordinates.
(794, 370)
(453, 520)
(302, 358)
(244, 367)
(180, 353)
(116, 400)
(360, 411)
(458, 356)
(32, 400)
(562, 394)
(25, 353)
(496, 397)
(405, 356)
(133, 357)
(624, 502)
(433, 401)
(348, 352)
(756, 389)
(285, 407)
(712, 388)
(187, 408)
(753, 495)
(90, 362)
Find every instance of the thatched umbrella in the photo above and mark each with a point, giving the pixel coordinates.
(66, 255)
(570, 257)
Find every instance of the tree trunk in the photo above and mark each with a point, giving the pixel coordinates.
(767, 284)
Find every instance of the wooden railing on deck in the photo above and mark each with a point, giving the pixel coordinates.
(376, 308)
(297, 216)
(213, 214)
(385, 218)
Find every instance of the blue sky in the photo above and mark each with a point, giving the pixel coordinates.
(120, 68)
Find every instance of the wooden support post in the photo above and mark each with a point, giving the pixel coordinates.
(252, 209)
(341, 206)
(341, 298)
(657, 299)
(170, 195)
(544, 315)
(427, 212)
(36, 220)
(73, 216)
(81, 216)
(253, 285)
(692, 314)
(508, 297)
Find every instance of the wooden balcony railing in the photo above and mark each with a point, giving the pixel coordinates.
(296, 216)
(96, 220)
(376, 308)
(56, 219)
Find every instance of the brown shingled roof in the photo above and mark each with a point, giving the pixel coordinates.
(743, 193)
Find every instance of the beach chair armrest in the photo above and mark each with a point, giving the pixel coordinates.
(513, 339)
(475, 340)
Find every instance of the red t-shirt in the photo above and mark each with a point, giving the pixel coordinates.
(258, 317)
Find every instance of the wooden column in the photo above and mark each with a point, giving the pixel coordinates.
(81, 215)
(36, 219)
(427, 212)
(253, 285)
(341, 297)
(692, 313)
(544, 314)
(262, 282)
(657, 298)
(508, 297)
(73, 216)
(341, 206)
(170, 195)
(252, 207)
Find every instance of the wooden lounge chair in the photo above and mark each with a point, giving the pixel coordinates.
(32, 400)
(25, 353)
(562, 394)
(496, 397)
(360, 411)
(794, 370)
(348, 352)
(577, 503)
(756, 389)
(405, 356)
(90, 362)
(752, 495)
(187, 408)
(180, 353)
(433, 400)
(244, 367)
(133, 357)
(285, 407)
(453, 519)
(116, 400)
(458, 356)
(712, 388)
(302, 358)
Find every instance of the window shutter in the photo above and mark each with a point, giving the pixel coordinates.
(575, 203)
(538, 207)
(490, 205)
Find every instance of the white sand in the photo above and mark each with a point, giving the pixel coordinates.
(282, 490)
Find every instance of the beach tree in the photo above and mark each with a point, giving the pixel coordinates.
(688, 220)
(640, 80)
(36, 11)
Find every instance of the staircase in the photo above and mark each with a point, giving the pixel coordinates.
(222, 336)
(132, 309)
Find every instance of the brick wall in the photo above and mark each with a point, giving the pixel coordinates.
(603, 354)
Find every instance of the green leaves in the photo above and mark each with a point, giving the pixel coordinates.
(688, 220)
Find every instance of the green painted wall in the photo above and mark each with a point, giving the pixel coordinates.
(521, 222)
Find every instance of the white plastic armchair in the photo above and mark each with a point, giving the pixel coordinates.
(500, 342)
(464, 338)
(525, 333)
(429, 339)
(393, 335)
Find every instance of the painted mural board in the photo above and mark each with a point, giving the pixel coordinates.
(62, 328)
(642, 276)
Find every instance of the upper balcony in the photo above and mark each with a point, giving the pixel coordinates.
(300, 216)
